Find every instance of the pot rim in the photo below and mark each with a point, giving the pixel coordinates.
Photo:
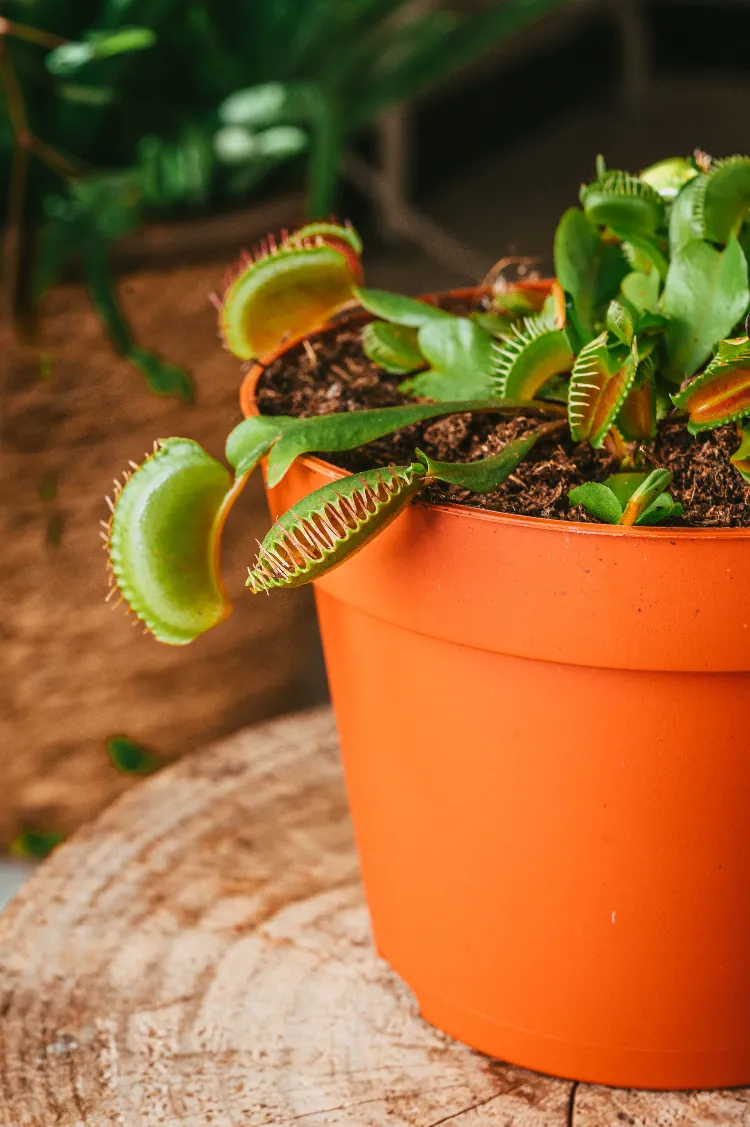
(249, 408)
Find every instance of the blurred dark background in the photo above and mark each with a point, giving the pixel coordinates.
(142, 145)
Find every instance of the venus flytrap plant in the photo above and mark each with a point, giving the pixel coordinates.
(643, 323)
(328, 526)
(628, 498)
(294, 284)
(164, 531)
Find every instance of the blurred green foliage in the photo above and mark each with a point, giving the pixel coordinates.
(131, 758)
(35, 845)
(148, 108)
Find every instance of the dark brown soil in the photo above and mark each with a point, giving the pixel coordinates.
(332, 373)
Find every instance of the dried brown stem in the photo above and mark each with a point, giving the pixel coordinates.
(35, 35)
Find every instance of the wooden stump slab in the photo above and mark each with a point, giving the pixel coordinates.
(201, 956)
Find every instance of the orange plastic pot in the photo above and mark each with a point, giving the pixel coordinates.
(545, 737)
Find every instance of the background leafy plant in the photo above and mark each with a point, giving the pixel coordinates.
(138, 109)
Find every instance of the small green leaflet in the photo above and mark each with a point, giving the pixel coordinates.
(397, 309)
(669, 176)
(486, 474)
(623, 202)
(161, 376)
(705, 295)
(131, 758)
(741, 457)
(460, 356)
(644, 254)
(35, 845)
(392, 347)
(621, 321)
(598, 500)
(68, 58)
(493, 323)
(628, 498)
(646, 492)
(684, 226)
(577, 250)
(268, 104)
(725, 198)
(642, 290)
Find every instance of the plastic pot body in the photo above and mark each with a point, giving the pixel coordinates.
(544, 734)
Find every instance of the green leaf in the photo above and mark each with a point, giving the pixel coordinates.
(392, 347)
(624, 485)
(130, 757)
(48, 487)
(398, 309)
(644, 496)
(57, 240)
(460, 355)
(721, 392)
(328, 526)
(660, 509)
(486, 474)
(598, 500)
(621, 321)
(741, 457)
(345, 431)
(237, 146)
(496, 324)
(526, 359)
(55, 529)
(636, 419)
(46, 367)
(281, 142)
(705, 294)
(515, 303)
(669, 176)
(35, 845)
(724, 200)
(684, 225)
(642, 291)
(271, 103)
(163, 541)
(576, 333)
(613, 266)
(290, 290)
(577, 260)
(109, 201)
(122, 41)
(68, 58)
(601, 379)
(643, 254)
(623, 202)
(79, 95)
(161, 377)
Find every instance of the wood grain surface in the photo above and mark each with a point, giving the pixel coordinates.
(201, 955)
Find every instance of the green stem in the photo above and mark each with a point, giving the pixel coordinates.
(325, 156)
(101, 287)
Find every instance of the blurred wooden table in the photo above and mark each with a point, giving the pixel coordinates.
(201, 955)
